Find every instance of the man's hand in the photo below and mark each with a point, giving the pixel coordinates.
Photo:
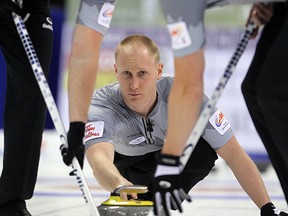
(167, 191)
(270, 210)
(260, 14)
(129, 189)
(75, 144)
(15, 7)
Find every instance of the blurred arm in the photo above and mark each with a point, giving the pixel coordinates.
(184, 101)
(83, 66)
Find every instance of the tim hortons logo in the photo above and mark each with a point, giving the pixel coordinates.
(89, 132)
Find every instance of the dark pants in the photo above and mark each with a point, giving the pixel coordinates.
(265, 89)
(25, 109)
(140, 169)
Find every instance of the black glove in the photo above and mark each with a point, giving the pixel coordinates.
(75, 144)
(270, 210)
(167, 191)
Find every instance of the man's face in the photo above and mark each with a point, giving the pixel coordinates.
(137, 73)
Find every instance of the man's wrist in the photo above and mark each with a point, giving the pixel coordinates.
(167, 165)
(78, 126)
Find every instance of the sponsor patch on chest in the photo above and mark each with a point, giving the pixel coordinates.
(137, 140)
(219, 122)
(93, 130)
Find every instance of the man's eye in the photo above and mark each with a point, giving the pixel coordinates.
(142, 73)
(126, 73)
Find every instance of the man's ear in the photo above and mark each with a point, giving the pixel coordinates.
(116, 71)
(115, 68)
(159, 70)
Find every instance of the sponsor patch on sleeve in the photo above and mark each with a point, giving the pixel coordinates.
(93, 130)
(105, 15)
(179, 35)
(219, 122)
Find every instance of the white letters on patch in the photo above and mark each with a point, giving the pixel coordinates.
(93, 130)
(105, 15)
(179, 35)
(219, 122)
(137, 140)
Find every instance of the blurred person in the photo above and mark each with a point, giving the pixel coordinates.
(127, 125)
(186, 27)
(265, 85)
(25, 109)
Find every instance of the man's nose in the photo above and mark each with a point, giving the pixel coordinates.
(134, 83)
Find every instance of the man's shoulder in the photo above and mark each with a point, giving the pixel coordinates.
(110, 88)
(164, 85)
(165, 81)
(108, 99)
(108, 92)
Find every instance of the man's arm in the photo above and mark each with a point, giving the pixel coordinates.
(245, 171)
(100, 157)
(83, 67)
(184, 101)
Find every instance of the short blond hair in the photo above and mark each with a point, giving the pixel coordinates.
(139, 40)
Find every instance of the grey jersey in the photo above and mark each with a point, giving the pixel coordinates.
(184, 19)
(185, 22)
(111, 121)
(96, 14)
